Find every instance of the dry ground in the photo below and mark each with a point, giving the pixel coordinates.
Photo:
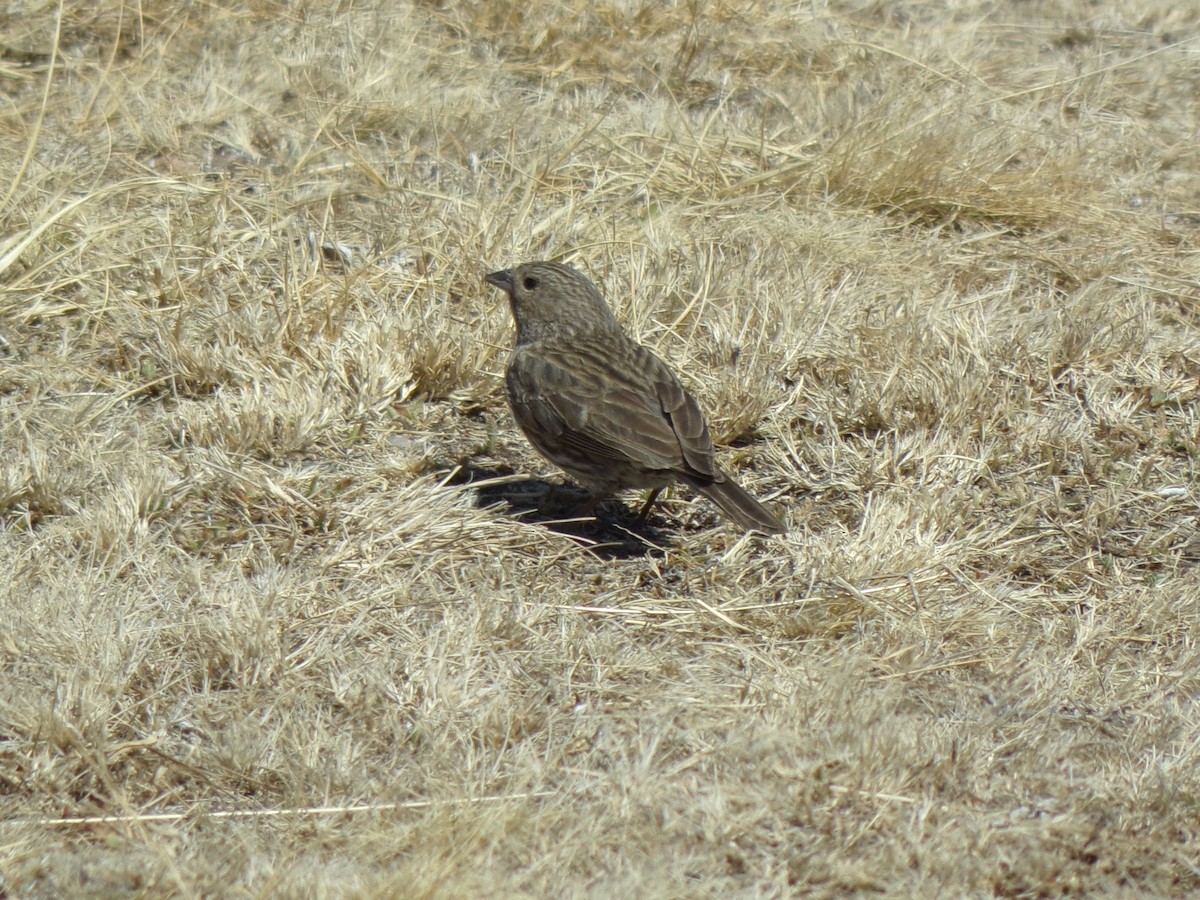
(276, 620)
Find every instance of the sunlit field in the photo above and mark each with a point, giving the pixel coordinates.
(289, 606)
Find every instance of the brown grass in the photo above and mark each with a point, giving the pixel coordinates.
(274, 618)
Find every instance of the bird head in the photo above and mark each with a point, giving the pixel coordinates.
(549, 299)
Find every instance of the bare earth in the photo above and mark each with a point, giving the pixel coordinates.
(284, 607)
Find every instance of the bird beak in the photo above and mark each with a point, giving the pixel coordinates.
(502, 279)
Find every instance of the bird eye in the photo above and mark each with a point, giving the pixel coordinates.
(529, 282)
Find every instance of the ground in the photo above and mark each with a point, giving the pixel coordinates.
(287, 604)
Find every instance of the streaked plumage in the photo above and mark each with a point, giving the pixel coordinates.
(602, 407)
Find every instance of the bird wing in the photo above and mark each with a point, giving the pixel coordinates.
(687, 422)
(623, 407)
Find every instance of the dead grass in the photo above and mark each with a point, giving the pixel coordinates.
(266, 630)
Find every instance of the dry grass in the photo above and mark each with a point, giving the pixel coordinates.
(933, 271)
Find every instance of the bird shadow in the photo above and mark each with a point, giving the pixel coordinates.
(613, 532)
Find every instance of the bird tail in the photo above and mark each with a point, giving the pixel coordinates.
(738, 505)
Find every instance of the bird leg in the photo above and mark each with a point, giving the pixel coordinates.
(645, 513)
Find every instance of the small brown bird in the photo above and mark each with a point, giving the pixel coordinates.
(602, 407)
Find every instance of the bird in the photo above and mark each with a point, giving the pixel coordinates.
(602, 407)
